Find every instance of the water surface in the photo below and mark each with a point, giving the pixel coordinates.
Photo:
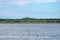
(29, 31)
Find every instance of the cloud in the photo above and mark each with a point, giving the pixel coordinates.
(21, 3)
(24, 2)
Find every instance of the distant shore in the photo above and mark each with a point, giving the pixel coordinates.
(29, 21)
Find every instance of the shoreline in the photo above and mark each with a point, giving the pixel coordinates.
(29, 23)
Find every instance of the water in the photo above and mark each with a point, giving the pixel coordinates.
(29, 31)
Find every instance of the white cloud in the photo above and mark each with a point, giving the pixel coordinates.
(24, 2)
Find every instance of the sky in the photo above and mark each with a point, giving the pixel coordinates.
(15, 9)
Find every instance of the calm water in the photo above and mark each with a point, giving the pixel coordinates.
(29, 31)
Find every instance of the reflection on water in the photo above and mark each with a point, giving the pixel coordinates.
(29, 31)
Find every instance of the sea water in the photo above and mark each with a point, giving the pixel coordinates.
(29, 31)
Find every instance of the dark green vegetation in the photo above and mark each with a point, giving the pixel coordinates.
(29, 20)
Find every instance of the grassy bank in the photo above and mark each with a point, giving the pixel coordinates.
(29, 20)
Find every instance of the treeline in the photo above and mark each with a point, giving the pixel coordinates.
(29, 20)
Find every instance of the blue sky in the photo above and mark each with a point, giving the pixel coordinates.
(29, 8)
